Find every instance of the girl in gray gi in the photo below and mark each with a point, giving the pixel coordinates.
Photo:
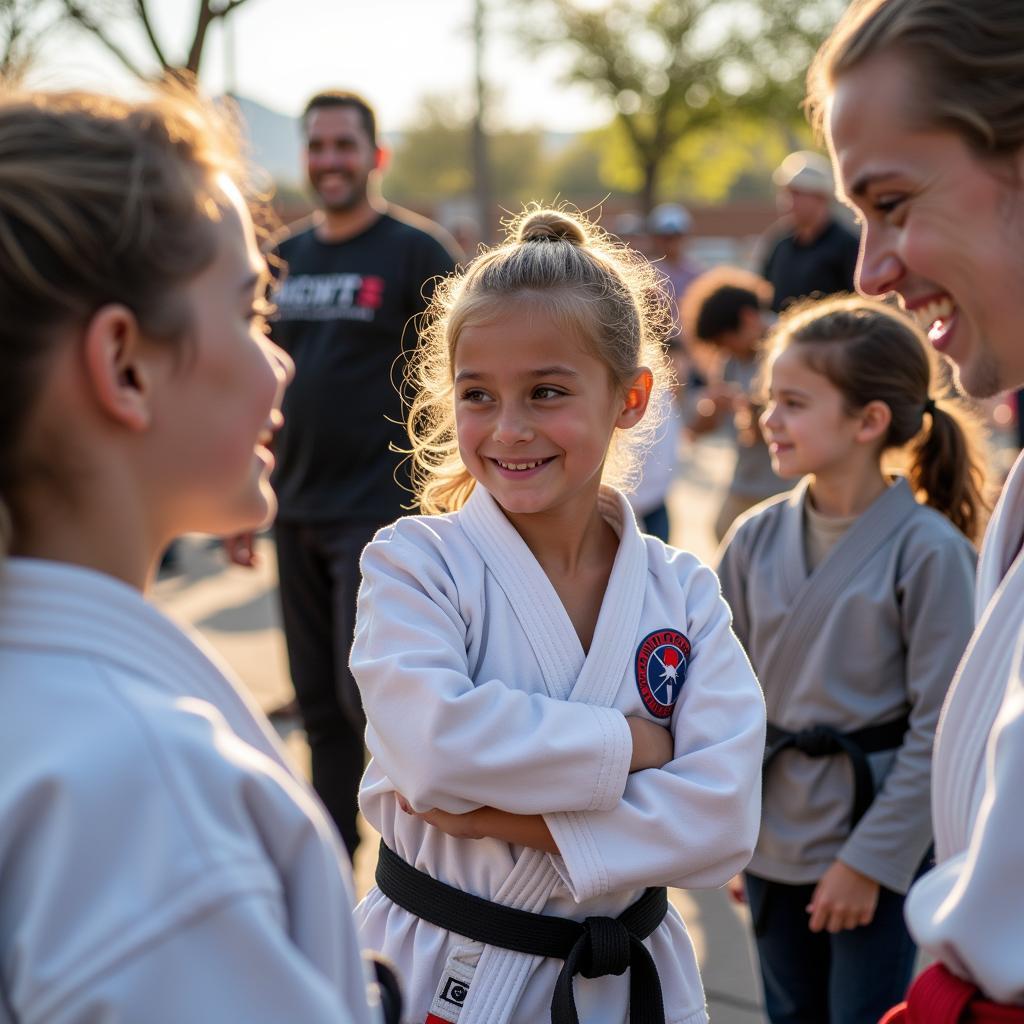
(852, 594)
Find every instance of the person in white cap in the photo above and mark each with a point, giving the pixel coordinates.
(813, 255)
(669, 224)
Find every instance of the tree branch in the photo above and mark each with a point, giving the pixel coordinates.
(206, 17)
(140, 6)
(78, 14)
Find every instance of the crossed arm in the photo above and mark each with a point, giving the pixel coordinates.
(652, 748)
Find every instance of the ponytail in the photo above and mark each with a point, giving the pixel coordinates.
(945, 469)
(872, 352)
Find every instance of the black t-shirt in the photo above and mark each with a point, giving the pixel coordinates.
(823, 267)
(344, 315)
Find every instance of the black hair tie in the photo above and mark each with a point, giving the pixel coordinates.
(929, 405)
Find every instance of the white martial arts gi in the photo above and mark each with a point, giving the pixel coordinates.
(874, 633)
(478, 692)
(159, 861)
(969, 911)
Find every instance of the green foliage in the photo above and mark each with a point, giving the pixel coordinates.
(433, 161)
(710, 165)
(683, 75)
(575, 173)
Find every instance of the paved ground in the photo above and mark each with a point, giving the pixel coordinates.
(237, 610)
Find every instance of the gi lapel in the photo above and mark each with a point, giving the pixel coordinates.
(1002, 543)
(815, 596)
(618, 623)
(979, 687)
(794, 571)
(501, 975)
(530, 594)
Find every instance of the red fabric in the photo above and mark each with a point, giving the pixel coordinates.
(939, 997)
(897, 1015)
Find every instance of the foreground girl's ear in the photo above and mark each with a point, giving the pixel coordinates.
(117, 377)
(874, 418)
(638, 394)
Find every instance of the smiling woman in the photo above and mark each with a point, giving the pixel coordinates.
(922, 102)
(921, 109)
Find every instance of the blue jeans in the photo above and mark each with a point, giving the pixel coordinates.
(852, 977)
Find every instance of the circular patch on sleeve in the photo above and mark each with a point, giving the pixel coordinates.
(661, 663)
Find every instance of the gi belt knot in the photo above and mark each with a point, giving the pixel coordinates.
(608, 945)
(605, 947)
(827, 741)
(593, 948)
(818, 741)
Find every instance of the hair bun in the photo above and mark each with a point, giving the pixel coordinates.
(550, 226)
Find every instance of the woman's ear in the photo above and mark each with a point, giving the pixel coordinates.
(638, 394)
(117, 377)
(875, 419)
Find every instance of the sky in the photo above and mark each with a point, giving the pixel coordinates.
(393, 51)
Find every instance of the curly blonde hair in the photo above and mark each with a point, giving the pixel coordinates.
(592, 285)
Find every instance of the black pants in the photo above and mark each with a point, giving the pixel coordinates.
(318, 568)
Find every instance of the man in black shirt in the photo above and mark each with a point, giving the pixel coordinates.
(814, 255)
(356, 276)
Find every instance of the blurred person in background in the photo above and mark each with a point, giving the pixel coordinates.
(727, 310)
(812, 254)
(668, 228)
(649, 499)
(356, 275)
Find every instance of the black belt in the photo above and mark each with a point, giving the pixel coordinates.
(594, 948)
(824, 741)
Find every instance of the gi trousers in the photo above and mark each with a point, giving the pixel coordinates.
(318, 570)
(852, 977)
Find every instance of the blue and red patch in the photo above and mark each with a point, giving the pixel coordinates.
(661, 663)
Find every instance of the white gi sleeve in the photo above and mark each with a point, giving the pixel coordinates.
(969, 911)
(446, 742)
(231, 961)
(936, 599)
(693, 823)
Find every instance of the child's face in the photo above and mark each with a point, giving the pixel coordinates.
(804, 422)
(744, 341)
(535, 411)
(217, 404)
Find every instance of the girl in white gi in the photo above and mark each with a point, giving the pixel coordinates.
(852, 595)
(559, 714)
(159, 861)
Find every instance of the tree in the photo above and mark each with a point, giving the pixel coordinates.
(97, 16)
(21, 31)
(780, 38)
(433, 161)
(577, 172)
(673, 68)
